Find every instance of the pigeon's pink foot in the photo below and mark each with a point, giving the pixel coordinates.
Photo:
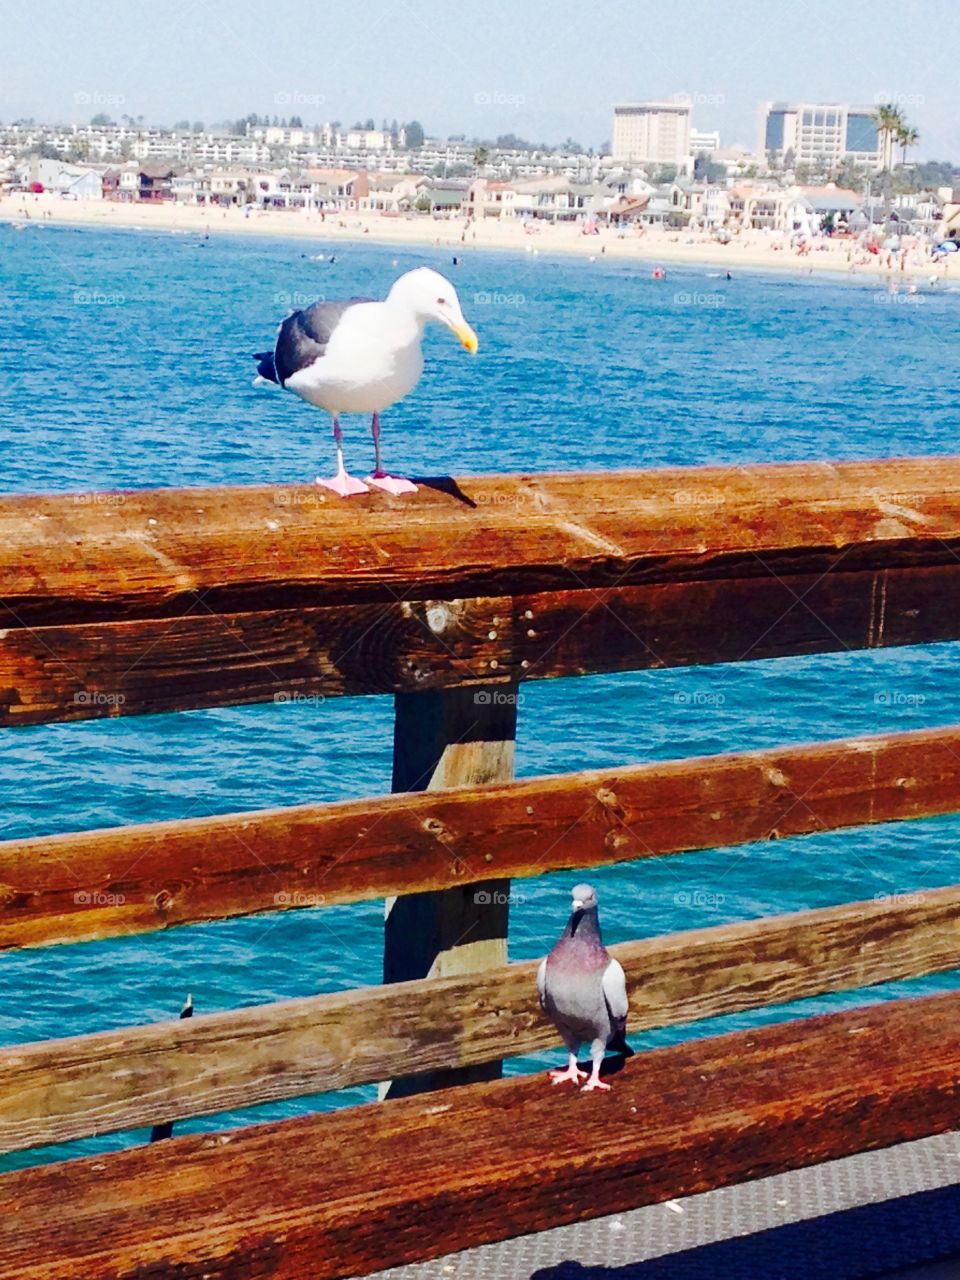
(343, 484)
(594, 1083)
(392, 484)
(571, 1073)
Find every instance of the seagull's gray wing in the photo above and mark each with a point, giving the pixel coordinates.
(305, 335)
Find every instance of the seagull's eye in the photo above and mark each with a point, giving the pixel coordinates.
(441, 302)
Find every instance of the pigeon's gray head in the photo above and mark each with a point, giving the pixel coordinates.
(584, 897)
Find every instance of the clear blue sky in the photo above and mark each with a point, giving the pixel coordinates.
(482, 67)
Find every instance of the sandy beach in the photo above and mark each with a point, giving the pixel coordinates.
(765, 250)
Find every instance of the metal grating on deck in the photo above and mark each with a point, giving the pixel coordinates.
(880, 1213)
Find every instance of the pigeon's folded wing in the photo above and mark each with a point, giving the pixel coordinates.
(615, 992)
(542, 980)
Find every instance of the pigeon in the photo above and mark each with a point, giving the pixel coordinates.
(583, 992)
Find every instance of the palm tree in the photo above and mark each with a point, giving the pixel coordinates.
(889, 120)
(480, 158)
(907, 137)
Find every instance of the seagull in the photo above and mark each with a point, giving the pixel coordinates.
(362, 356)
(583, 992)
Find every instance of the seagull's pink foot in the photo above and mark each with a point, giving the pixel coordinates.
(594, 1083)
(571, 1073)
(392, 484)
(343, 484)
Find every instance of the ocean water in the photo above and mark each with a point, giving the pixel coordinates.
(126, 363)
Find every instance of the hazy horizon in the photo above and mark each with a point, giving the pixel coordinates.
(547, 71)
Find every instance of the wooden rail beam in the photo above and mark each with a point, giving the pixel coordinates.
(125, 880)
(58, 1090)
(120, 603)
(376, 1186)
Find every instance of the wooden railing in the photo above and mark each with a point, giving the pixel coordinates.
(124, 603)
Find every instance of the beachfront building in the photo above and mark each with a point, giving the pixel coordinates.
(819, 134)
(391, 193)
(703, 142)
(698, 204)
(490, 198)
(71, 181)
(653, 133)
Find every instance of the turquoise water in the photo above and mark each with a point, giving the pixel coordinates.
(126, 363)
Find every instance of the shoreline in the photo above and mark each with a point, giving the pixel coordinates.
(752, 249)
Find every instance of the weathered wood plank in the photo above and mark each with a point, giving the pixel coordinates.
(154, 875)
(54, 1091)
(190, 598)
(351, 1192)
(71, 557)
(94, 670)
(443, 740)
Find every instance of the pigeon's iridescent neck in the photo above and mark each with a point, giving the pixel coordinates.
(584, 926)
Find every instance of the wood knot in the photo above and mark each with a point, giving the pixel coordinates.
(776, 777)
(607, 800)
(440, 615)
(437, 829)
(615, 840)
(163, 901)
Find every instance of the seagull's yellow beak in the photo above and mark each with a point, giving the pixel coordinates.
(466, 336)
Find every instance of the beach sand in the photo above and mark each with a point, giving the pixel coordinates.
(751, 249)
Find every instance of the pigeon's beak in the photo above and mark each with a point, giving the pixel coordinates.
(466, 335)
(577, 904)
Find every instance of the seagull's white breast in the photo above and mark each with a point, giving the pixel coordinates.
(373, 360)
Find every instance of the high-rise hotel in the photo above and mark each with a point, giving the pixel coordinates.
(817, 133)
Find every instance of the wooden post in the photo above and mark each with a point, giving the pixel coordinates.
(450, 738)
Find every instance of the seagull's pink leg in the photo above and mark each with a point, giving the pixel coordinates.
(572, 1073)
(342, 483)
(379, 477)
